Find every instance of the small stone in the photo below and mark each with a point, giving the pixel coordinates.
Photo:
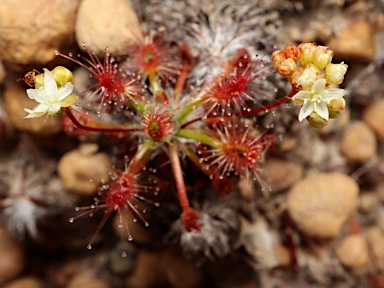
(11, 260)
(107, 23)
(181, 273)
(86, 280)
(368, 201)
(352, 251)
(282, 254)
(81, 172)
(31, 32)
(373, 115)
(148, 271)
(355, 41)
(15, 100)
(358, 143)
(282, 174)
(25, 282)
(3, 73)
(321, 203)
(375, 239)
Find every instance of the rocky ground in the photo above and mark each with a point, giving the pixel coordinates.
(321, 225)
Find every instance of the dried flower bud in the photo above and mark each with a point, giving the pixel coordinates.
(287, 67)
(336, 107)
(322, 57)
(62, 75)
(278, 57)
(292, 52)
(316, 121)
(306, 51)
(334, 73)
(306, 76)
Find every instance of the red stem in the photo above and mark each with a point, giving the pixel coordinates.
(179, 178)
(180, 83)
(252, 112)
(97, 129)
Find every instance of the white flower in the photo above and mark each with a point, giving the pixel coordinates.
(317, 99)
(50, 97)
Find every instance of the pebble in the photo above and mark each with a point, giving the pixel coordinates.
(25, 282)
(368, 201)
(148, 271)
(375, 239)
(180, 272)
(355, 41)
(373, 115)
(76, 168)
(3, 73)
(15, 100)
(32, 31)
(86, 280)
(12, 257)
(107, 23)
(283, 255)
(352, 251)
(321, 203)
(358, 143)
(282, 174)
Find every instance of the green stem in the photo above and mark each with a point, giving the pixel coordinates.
(189, 108)
(179, 178)
(154, 83)
(199, 137)
(101, 127)
(138, 106)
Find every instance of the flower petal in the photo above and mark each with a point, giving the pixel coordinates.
(319, 85)
(306, 110)
(333, 93)
(53, 108)
(64, 91)
(36, 94)
(68, 101)
(50, 86)
(302, 95)
(37, 111)
(322, 109)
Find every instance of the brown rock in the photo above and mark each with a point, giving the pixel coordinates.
(148, 271)
(107, 23)
(283, 255)
(375, 239)
(181, 273)
(11, 260)
(15, 100)
(368, 201)
(31, 32)
(282, 174)
(25, 282)
(320, 204)
(3, 73)
(352, 251)
(373, 115)
(86, 280)
(78, 167)
(358, 143)
(355, 41)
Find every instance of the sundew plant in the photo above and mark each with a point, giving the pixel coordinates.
(213, 125)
